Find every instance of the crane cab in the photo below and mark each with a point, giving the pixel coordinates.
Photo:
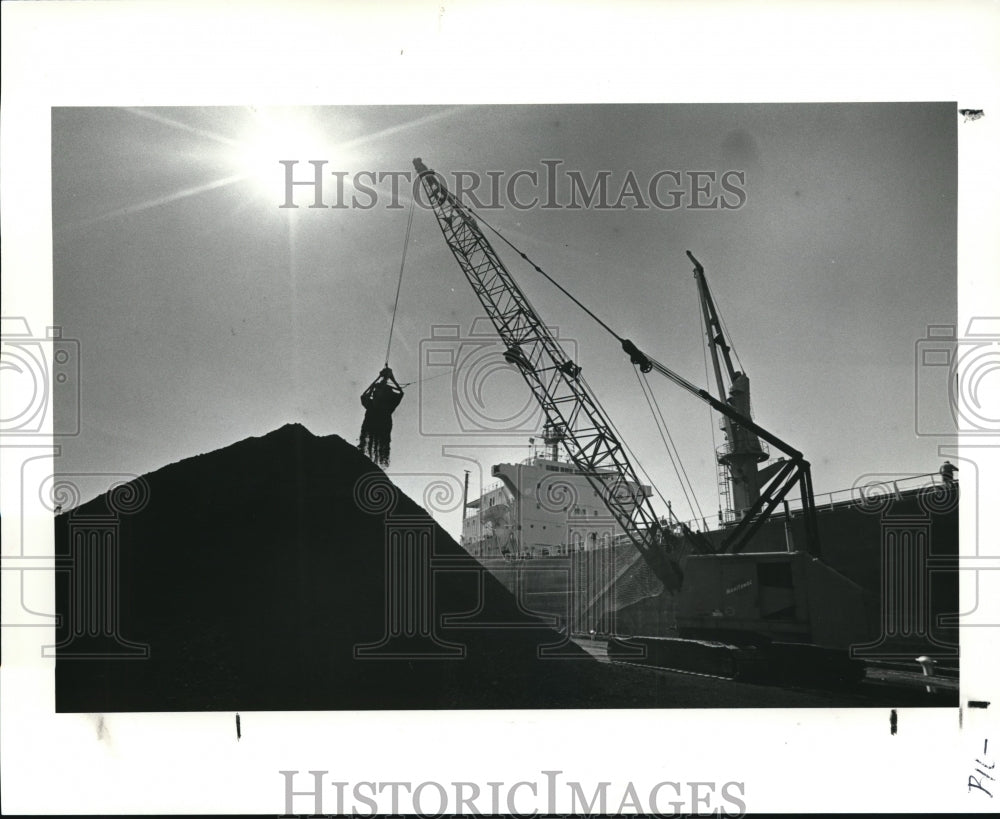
(770, 597)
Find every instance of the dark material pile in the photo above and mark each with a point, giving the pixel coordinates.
(253, 572)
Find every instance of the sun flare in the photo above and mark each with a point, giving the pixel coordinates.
(273, 135)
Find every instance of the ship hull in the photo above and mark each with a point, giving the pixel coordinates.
(899, 550)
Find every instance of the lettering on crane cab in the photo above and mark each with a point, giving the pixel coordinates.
(746, 584)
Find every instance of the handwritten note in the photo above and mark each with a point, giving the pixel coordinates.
(983, 772)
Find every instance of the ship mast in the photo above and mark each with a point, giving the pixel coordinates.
(554, 434)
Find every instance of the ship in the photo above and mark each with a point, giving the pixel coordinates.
(544, 532)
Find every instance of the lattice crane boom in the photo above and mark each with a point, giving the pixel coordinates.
(555, 380)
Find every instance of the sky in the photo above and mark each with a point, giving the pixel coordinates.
(207, 313)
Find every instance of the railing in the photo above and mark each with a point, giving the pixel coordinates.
(728, 448)
(856, 494)
(544, 455)
(824, 501)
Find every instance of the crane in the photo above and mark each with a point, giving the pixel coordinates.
(742, 451)
(569, 405)
(710, 602)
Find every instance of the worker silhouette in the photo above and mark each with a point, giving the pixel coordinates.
(948, 470)
(380, 401)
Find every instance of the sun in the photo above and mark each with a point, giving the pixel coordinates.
(276, 134)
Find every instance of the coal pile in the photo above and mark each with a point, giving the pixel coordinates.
(256, 575)
(285, 573)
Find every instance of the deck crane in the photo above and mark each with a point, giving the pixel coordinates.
(742, 451)
(722, 593)
(739, 456)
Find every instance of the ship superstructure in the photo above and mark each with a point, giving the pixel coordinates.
(541, 506)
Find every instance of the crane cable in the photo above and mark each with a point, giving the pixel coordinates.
(635, 459)
(732, 346)
(668, 443)
(556, 284)
(399, 284)
(708, 381)
(725, 329)
(670, 446)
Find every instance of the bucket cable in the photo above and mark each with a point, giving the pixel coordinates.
(399, 283)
